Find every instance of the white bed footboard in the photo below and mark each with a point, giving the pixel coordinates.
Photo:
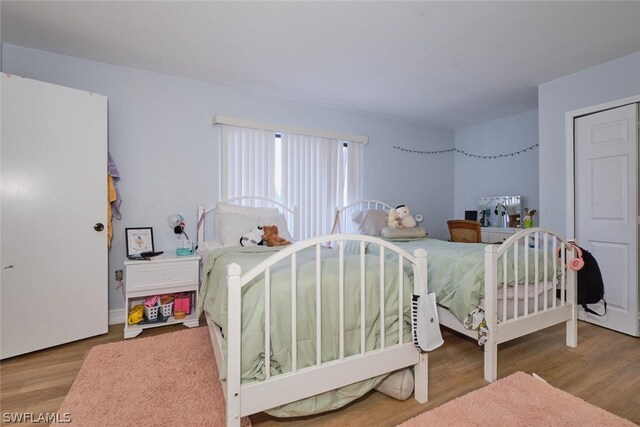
(530, 258)
(301, 382)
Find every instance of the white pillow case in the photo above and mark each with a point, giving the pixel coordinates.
(231, 226)
(370, 221)
(398, 385)
(208, 246)
(403, 232)
(278, 219)
(239, 211)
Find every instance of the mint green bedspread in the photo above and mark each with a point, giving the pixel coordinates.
(213, 300)
(456, 271)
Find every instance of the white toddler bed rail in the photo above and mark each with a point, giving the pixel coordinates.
(252, 397)
(519, 315)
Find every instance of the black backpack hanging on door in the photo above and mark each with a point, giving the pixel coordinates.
(590, 284)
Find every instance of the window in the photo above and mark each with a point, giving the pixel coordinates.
(315, 173)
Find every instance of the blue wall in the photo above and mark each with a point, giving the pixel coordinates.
(611, 81)
(161, 138)
(517, 175)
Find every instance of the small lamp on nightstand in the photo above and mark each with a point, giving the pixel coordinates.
(176, 222)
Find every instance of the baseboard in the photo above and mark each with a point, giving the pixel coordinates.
(117, 316)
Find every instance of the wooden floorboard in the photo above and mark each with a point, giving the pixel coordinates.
(604, 370)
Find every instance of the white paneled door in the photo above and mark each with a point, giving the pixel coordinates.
(53, 251)
(606, 209)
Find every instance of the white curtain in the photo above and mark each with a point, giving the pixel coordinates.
(247, 163)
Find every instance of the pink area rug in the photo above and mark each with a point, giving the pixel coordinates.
(165, 380)
(517, 400)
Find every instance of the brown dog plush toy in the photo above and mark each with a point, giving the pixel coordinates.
(271, 238)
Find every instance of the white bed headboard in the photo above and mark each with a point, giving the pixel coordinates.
(291, 214)
(344, 213)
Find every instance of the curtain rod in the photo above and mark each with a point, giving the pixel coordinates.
(237, 121)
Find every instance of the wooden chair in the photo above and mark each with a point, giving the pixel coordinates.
(462, 230)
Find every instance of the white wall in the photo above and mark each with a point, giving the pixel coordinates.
(161, 139)
(607, 82)
(516, 175)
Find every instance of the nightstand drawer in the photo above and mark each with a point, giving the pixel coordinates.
(161, 275)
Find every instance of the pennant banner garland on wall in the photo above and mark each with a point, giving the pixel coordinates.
(477, 156)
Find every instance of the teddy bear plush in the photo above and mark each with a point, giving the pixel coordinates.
(393, 220)
(271, 237)
(405, 219)
(253, 238)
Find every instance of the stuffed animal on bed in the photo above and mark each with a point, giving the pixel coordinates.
(393, 220)
(253, 238)
(405, 219)
(271, 237)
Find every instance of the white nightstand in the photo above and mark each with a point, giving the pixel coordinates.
(166, 275)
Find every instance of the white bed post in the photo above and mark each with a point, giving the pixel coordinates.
(200, 229)
(296, 224)
(491, 312)
(234, 341)
(420, 286)
(572, 293)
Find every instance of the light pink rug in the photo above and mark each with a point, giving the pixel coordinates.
(517, 400)
(165, 380)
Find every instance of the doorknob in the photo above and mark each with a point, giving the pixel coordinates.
(98, 227)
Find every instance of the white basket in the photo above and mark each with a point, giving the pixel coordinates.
(151, 312)
(166, 309)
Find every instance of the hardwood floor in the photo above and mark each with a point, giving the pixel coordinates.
(604, 370)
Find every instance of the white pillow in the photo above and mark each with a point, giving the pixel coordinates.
(403, 232)
(231, 226)
(278, 219)
(239, 211)
(208, 246)
(398, 385)
(370, 221)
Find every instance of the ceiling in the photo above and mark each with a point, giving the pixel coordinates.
(443, 64)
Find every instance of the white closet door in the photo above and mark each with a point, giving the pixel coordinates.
(54, 175)
(606, 202)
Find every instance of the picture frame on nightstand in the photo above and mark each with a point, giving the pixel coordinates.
(139, 240)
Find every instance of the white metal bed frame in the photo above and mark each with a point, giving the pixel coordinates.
(509, 327)
(248, 398)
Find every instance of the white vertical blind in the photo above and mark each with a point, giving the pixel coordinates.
(354, 172)
(312, 174)
(316, 174)
(247, 158)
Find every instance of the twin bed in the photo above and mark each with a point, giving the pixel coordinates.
(333, 313)
(518, 287)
